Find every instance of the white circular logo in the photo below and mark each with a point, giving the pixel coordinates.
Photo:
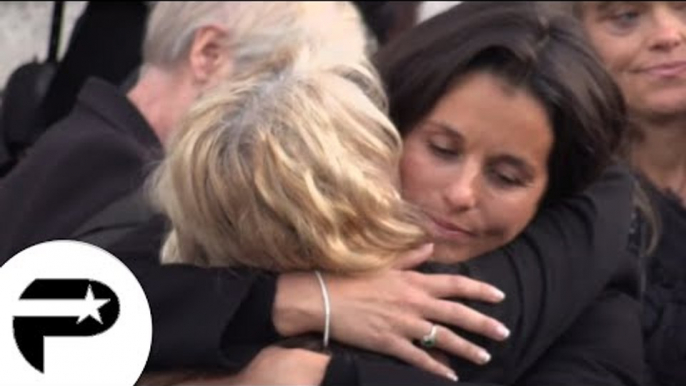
(71, 314)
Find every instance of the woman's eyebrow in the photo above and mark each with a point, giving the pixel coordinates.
(447, 128)
(603, 6)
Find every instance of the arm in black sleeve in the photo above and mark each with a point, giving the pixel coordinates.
(196, 311)
(602, 348)
(604, 345)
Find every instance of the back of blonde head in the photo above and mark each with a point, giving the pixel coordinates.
(291, 167)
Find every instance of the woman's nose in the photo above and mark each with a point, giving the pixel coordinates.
(462, 193)
(668, 30)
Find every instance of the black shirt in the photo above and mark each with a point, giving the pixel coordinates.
(664, 317)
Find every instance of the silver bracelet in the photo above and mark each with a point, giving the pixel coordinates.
(327, 309)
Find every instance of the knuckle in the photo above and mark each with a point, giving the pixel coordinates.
(377, 339)
(461, 350)
(460, 313)
(431, 364)
(439, 368)
(412, 277)
(467, 349)
(444, 312)
(446, 283)
(389, 341)
(485, 323)
(425, 360)
(460, 283)
(414, 300)
(485, 290)
(461, 345)
(464, 348)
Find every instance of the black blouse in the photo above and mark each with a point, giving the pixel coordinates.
(664, 316)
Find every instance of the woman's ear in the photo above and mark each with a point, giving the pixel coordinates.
(209, 54)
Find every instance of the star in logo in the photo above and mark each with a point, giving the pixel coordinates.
(91, 307)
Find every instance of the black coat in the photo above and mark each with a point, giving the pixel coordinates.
(572, 304)
(97, 154)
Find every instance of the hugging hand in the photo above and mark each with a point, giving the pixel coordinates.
(387, 311)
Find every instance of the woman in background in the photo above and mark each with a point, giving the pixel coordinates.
(643, 46)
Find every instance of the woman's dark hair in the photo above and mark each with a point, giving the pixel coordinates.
(386, 19)
(543, 52)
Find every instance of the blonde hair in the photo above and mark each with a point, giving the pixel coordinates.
(254, 29)
(291, 167)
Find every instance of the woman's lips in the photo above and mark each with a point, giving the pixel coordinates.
(447, 230)
(665, 70)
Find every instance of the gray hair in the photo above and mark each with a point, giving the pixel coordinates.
(254, 29)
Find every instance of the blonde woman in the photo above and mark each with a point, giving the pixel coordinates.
(273, 171)
(292, 167)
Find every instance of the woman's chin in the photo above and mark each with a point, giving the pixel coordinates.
(449, 253)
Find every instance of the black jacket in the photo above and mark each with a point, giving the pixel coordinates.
(97, 154)
(572, 304)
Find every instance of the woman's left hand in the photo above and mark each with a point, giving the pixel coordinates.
(387, 311)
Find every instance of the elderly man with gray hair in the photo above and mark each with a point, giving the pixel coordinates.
(80, 169)
(189, 47)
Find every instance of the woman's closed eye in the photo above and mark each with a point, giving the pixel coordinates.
(508, 179)
(444, 150)
(509, 172)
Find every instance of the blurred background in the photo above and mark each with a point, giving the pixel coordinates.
(25, 30)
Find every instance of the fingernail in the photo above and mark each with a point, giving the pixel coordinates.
(503, 332)
(484, 357)
(452, 376)
(498, 295)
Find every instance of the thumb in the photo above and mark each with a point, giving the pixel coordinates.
(414, 257)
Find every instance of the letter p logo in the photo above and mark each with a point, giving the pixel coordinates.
(53, 307)
(71, 314)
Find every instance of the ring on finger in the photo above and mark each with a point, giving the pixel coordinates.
(429, 340)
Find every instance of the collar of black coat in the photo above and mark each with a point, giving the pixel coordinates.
(111, 104)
